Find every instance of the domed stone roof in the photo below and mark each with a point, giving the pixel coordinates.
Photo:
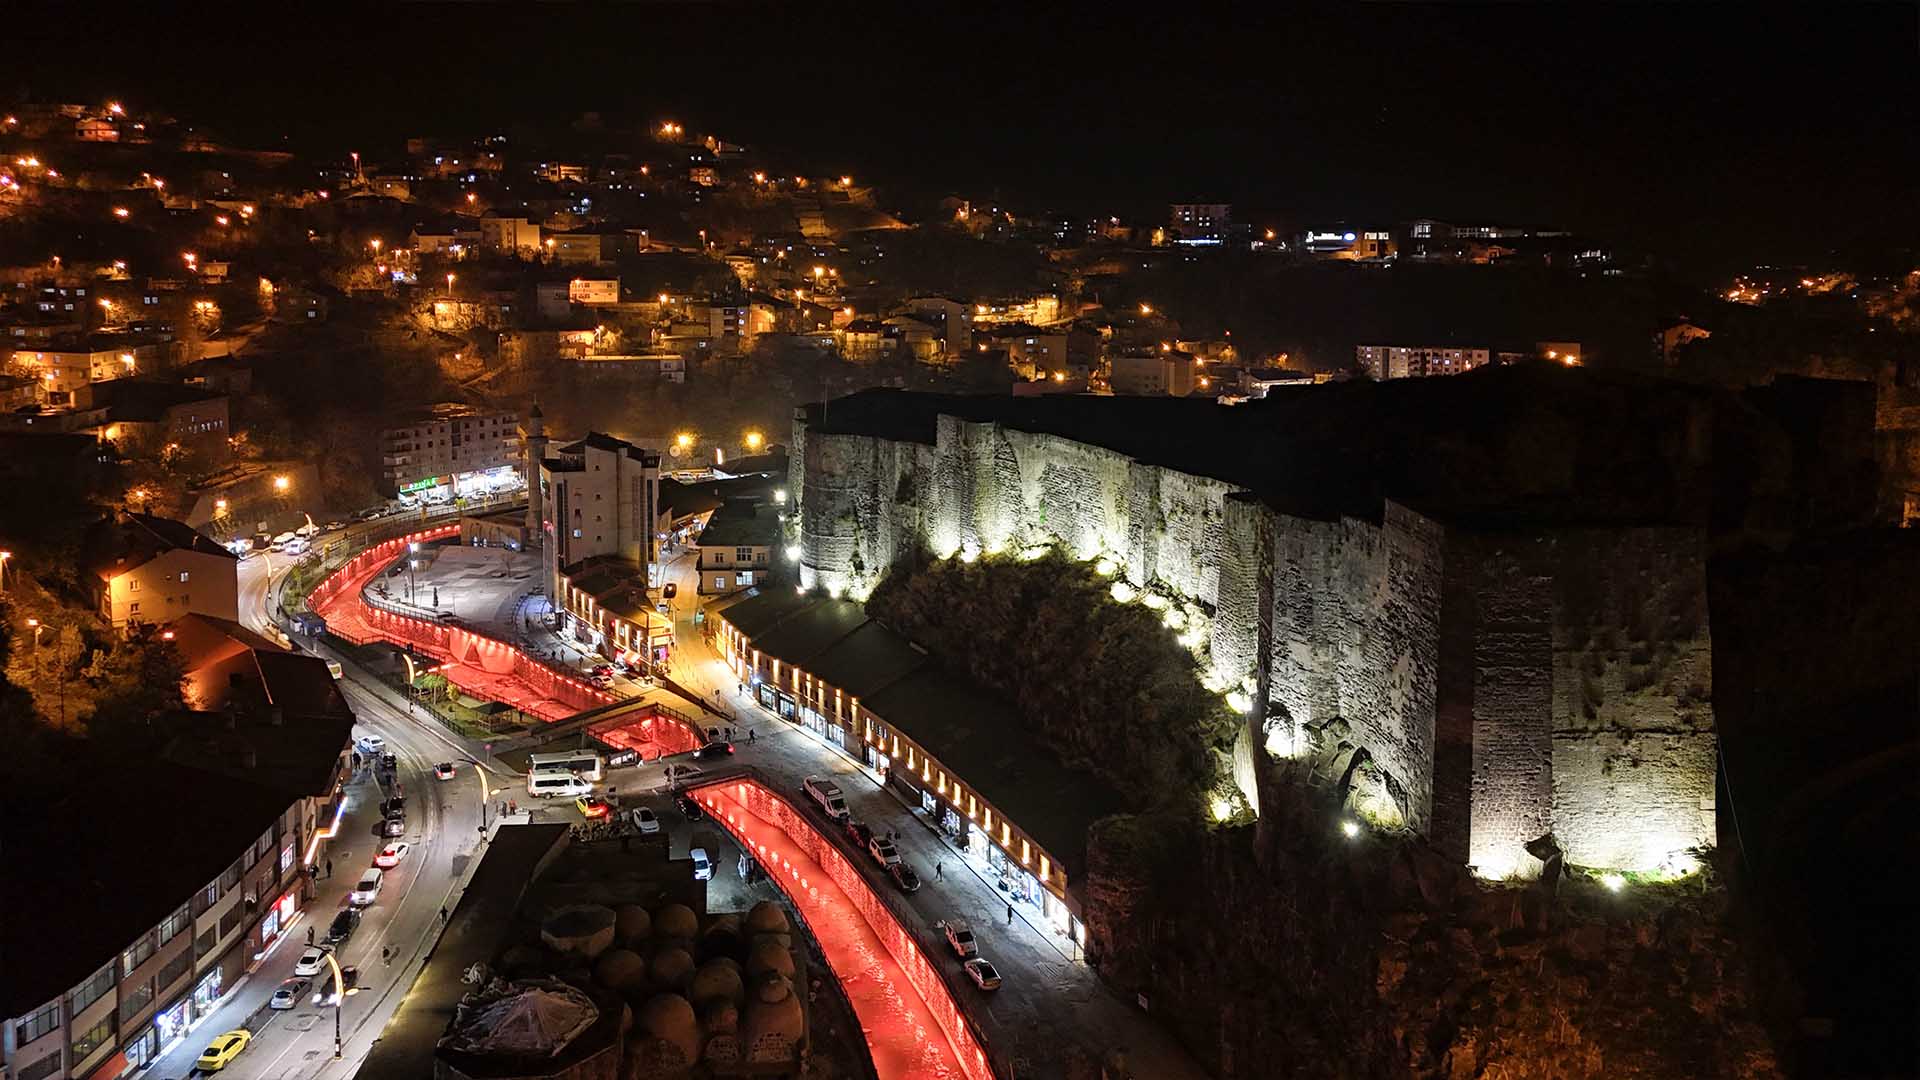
(675, 921)
(774, 1022)
(717, 979)
(668, 1019)
(672, 966)
(766, 917)
(631, 924)
(620, 969)
(769, 957)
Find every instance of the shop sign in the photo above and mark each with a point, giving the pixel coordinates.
(422, 485)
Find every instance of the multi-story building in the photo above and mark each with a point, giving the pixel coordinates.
(1033, 353)
(735, 550)
(451, 446)
(952, 320)
(1201, 221)
(1415, 361)
(64, 366)
(161, 419)
(510, 235)
(130, 943)
(599, 499)
(1152, 373)
(148, 569)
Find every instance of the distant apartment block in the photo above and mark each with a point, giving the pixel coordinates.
(510, 235)
(1152, 374)
(1200, 221)
(1414, 361)
(451, 445)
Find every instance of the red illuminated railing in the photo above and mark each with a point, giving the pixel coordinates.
(895, 937)
(339, 601)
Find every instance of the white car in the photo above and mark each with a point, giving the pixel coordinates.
(288, 995)
(310, 962)
(982, 973)
(644, 820)
(391, 855)
(702, 866)
(882, 851)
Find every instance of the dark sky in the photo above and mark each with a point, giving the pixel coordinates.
(1701, 132)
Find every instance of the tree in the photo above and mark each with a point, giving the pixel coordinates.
(136, 680)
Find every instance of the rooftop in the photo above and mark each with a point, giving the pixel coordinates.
(741, 522)
(119, 882)
(1525, 442)
(977, 735)
(136, 539)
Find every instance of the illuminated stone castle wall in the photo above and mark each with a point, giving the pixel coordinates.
(1501, 685)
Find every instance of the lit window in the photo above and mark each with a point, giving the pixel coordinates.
(183, 575)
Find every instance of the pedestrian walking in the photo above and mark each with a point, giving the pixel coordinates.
(330, 861)
(443, 914)
(386, 956)
(938, 870)
(512, 807)
(1009, 914)
(309, 935)
(750, 735)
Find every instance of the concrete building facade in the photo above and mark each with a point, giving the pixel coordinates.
(149, 570)
(441, 447)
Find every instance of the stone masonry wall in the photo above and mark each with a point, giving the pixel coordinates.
(1575, 670)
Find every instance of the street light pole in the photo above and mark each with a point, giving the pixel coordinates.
(339, 1002)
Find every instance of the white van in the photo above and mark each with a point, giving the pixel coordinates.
(556, 783)
(702, 866)
(368, 890)
(297, 546)
(280, 542)
(827, 794)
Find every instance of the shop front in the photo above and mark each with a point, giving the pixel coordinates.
(171, 1023)
(206, 992)
(776, 700)
(280, 915)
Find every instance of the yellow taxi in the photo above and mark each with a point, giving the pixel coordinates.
(223, 1049)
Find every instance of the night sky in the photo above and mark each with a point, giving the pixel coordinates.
(1707, 134)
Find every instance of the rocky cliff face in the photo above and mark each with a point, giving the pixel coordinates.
(1291, 949)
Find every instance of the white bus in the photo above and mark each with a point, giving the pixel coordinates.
(586, 764)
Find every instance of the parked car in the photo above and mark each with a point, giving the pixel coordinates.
(960, 938)
(393, 804)
(715, 749)
(391, 855)
(389, 762)
(368, 888)
(602, 669)
(592, 807)
(604, 682)
(370, 744)
(882, 851)
(394, 826)
(396, 571)
(981, 972)
(857, 831)
(311, 961)
(343, 926)
(904, 877)
(644, 820)
(288, 995)
(702, 866)
(443, 771)
(688, 808)
(222, 1050)
(670, 590)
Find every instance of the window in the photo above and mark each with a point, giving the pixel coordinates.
(744, 554)
(89, 992)
(171, 927)
(41, 1021)
(744, 580)
(135, 998)
(133, 584)
(180, 965)
(136, 955)
(41, 1069)
(183, 576)
(719, 581)
(91, 1039)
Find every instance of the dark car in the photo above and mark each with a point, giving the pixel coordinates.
(396, 571)
(904, 877)
(688, 808)
(393, 804)
(715, 749)
(670, 590)
(344, 924)
(857, 831)
(389, 762)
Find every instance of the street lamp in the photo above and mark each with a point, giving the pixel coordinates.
(449, 284)
(220, 507)
(486, 796)
(34, 625)
(411, 676)
(754, 440)
(4, 556)
(413, 548)
(339, 1001)
(281, 484)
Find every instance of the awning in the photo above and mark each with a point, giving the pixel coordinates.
(111, 1068)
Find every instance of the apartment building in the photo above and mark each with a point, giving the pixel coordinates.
(128, 943)
(735, 549)
(1417, 361)
(599, 498)
(148, 569)
(453, 447)
(1152, 373)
